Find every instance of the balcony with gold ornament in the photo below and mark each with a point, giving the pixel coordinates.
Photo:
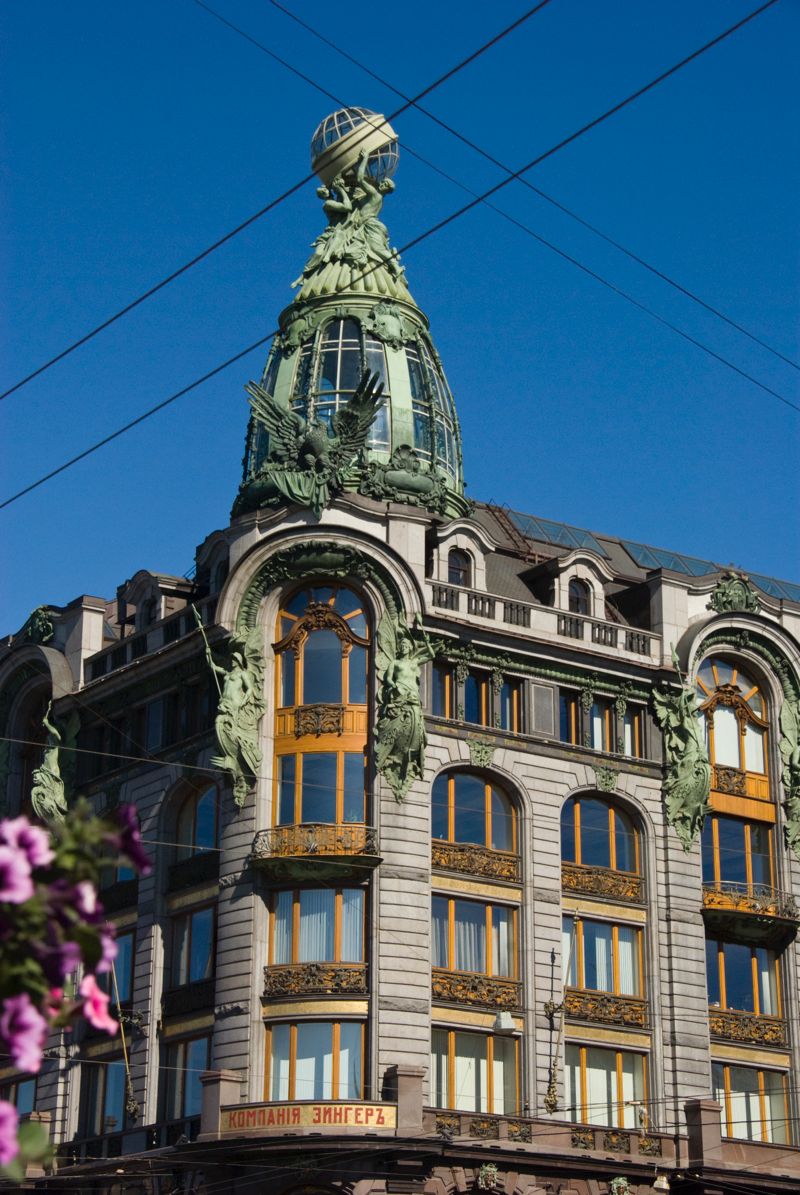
(475, 990)
(604, 1008)
(315, 979)
(747, 1028)
(476, 861)
(316, 851)
(756, 914)
(603, 882)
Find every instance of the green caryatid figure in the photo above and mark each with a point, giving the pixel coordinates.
(241, 704)
(790, 754)
(48, 796)
(688, 782)
(400, 730)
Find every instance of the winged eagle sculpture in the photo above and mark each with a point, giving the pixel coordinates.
(308, 460)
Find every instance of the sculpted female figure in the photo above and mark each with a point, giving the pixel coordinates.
(400, 732)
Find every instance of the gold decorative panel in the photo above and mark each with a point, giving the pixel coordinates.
(747, 1028)
(605, 1008)
(602, 881)
(304, 979)
(476, 861)
(468, 988)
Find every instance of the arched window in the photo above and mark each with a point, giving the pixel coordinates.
(596, 834)
(459, 567)
(321, 718)
(734, 718)
(469, 809)
(579, 597)
(197, 824)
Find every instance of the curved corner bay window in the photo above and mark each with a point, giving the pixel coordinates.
(321, 719)
(474, 1072)
(467, 808)
(604, 1087)
(197, 828)
(754, 1103)
(738, 855)
(318, 925)
(744, 978)
(329, 368)
(315, 1060)
(596, 834)
(733, 715)
(601, 956)
(468, 935)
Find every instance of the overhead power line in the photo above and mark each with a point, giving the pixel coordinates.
(443, 223)
(454, 70)
(684, 290)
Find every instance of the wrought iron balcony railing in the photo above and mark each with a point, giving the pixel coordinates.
(314, 849)
(755, 913)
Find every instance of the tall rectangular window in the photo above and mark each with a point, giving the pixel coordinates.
(472, 936)
(754, 1103)
(603, 956)
(193, 946)
(443, 691)
(185, 1062)
(315, 1060)
(318, 925)
(604, 1086)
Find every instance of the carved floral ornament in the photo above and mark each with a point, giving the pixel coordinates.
(319, 616)
(734, 592)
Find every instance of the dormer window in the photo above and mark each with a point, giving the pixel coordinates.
(579, 597)
(459, 568)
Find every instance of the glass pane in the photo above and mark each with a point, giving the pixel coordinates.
(707, 846)
(279, 1063)
(572, 1083)
(732, 868)
(624, 842)
(299, 601)
(287, 678)
(358, 623)
(599, 738)
(286, 775)
(505, 1076)
(322, 668)
(595, 845)
(566, 706)
(180, 951)
(502, 942)
(114, 1108)
(439, 808)
(353, 786)
(123, 966)
(753, 748)
(25, 1096)
(319, 787)
(352, 933)
(470, 809)
(282, 939)
(349, 369)
(502, 836)
(472, 699)
(568, 832)
(196, 1063)
(601, 1086)
(439, 678)
(201, 963)
(439, 1093)
(726, 736)
(569, 952)
(767, 982)
(738, 963)
(471, 1094)
(349, 1061)
(712, 973)
(316, 926)
(470, 936)
(185, 830)
(778, 1126)
(508, 706)
(439, 932)
(314, 1065)
(628, 962)
(632, 1089)
(597, 957)
(760, 855)
(358, 675)
(205, 838)
(745, 1105)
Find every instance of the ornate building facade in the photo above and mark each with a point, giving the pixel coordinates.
(475, 836)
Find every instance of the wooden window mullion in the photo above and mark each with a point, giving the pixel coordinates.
(615, 959)
(723, 987)
(612, 839)
(292, 1060)
(577, 811)
(294, 949)
(754, 981)
(335, 1043)
(337, 925)
(620, 1105)
(584, 1086)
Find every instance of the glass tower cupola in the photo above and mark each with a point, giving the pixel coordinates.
(353, 316)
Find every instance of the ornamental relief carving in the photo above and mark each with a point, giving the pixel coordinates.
(475, 989)
(318, 719)
(617, 1141)
(650, 1147)
(314, 839)
(476, 861)
(747, 1027)
(301, 979)
(484, 1126)
(629, 1011)
(730, 780)
(602, 881)
(582, 1139)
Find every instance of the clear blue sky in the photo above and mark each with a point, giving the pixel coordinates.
(137, 133)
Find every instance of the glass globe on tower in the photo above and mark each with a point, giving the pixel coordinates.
(341, 137)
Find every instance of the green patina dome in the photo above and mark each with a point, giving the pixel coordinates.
(353, 313)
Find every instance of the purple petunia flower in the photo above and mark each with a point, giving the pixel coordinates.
(130, 840)
(23, 1030)
(33, 840)
(9, 1123)
(16, 884)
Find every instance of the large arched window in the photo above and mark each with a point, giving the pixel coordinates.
(733, 713)
(579, 597)
(197, 824)
(594, 833)
(459, 567)
(321, 698)
(469, 809)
